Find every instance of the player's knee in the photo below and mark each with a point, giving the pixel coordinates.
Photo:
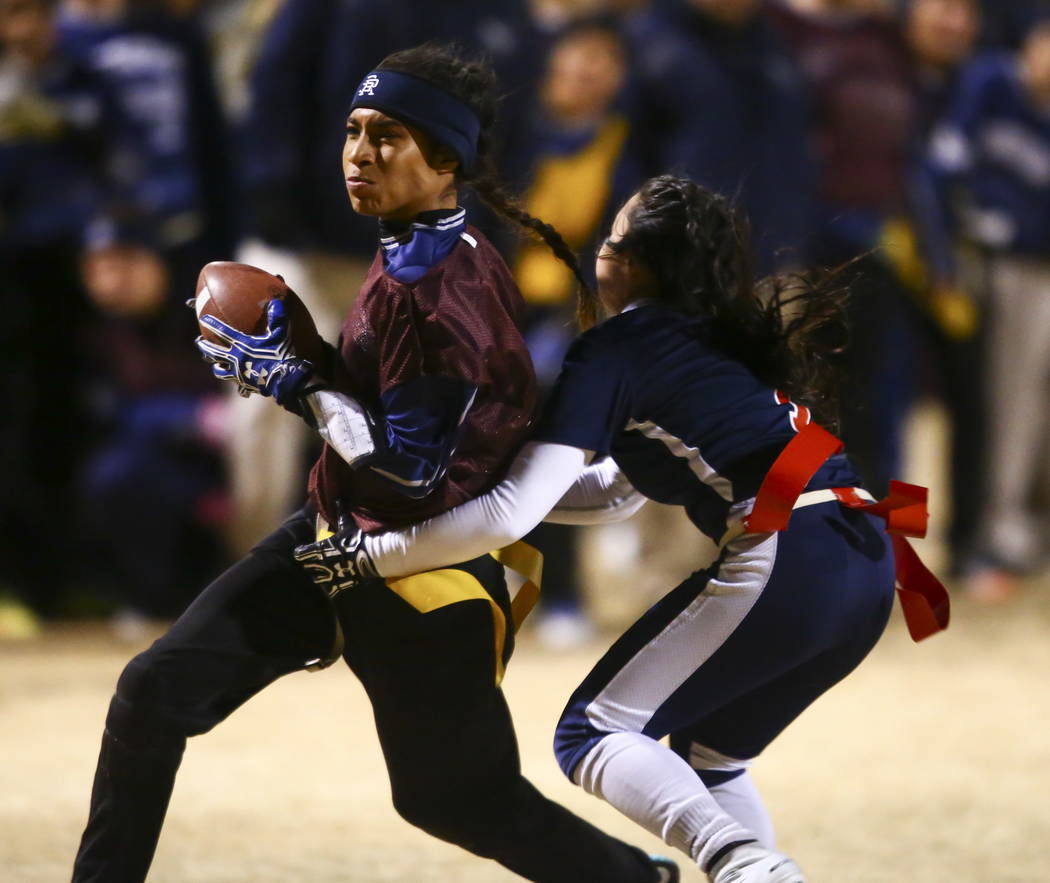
(574, 737)
(138, 713)
(137, 685)
(418, 809)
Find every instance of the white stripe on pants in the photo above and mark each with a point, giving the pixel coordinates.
(643, 778)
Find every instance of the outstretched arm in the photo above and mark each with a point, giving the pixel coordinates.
(539, 477)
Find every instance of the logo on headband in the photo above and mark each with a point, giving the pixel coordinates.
(368, 87)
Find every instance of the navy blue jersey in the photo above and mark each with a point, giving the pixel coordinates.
(686, 423)
(759, 153)
(991, 155)
(54, 152)
(172, 172)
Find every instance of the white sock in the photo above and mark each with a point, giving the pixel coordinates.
(654, 787)
(740, 798)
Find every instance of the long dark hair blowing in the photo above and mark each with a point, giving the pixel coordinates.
(788, 331)
(474, 83)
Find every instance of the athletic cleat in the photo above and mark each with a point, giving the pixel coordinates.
(667, 870)
(751, 863)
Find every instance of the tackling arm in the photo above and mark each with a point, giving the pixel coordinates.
(602, 494)
(539, 477)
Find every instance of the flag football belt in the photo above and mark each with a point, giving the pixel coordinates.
(923, 599)
(519, 557)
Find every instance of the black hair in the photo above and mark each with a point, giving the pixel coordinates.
(473, 82)
(789, 331)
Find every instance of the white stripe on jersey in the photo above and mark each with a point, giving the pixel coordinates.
(701, 468)
(649, 678)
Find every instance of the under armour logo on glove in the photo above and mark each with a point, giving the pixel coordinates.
(338, 562)
(265, 364)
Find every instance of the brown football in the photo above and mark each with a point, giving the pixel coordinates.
(238, 294)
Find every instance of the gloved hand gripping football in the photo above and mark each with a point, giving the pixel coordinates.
(265, 364)
(339, 562)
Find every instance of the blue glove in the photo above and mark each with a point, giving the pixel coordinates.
(266, 364)
(337, 563)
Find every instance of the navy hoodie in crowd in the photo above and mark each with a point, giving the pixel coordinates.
(53, 153)
(175, 179)
(728, 107)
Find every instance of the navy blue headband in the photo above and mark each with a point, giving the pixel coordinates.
(411, 100)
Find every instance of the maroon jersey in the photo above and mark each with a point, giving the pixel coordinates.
(449, 342)
(863, 83)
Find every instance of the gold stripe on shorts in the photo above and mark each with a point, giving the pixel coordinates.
(440, 588)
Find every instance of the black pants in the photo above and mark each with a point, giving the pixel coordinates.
(879, 367)
(443, 723)
(960, 374)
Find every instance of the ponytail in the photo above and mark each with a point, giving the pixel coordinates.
(496, 197)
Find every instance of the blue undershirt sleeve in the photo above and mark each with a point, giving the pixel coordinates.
(417, 431)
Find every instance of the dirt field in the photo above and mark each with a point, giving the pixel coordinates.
(932, 763)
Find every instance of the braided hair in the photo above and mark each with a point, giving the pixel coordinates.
(474, 83)
(788, 331)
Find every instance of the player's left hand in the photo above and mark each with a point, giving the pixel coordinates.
(337, 563)
(265, 364)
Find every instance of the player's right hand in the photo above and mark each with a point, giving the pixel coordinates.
(337, 563)
(265, 364)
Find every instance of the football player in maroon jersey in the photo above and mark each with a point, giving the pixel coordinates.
(422, 405)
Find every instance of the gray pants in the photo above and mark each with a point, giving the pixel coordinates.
(1018, 391)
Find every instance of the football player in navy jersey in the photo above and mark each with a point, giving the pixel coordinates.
(422, 406)
(695, 391)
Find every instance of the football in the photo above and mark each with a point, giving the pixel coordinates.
(238, 294)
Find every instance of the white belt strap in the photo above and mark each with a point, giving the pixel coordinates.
(809, 498)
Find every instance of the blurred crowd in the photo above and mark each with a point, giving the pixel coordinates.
(907, 142)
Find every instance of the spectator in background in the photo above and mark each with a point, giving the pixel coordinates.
(861, 77)
(311, 58)
(233, 30)
(553, 15)
(53, 114)
(577, 156)
(992, 155)
(941, 35)
(153, 488)
(1007, 21)
(151, 483)
(727, 105)
(178, 198)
